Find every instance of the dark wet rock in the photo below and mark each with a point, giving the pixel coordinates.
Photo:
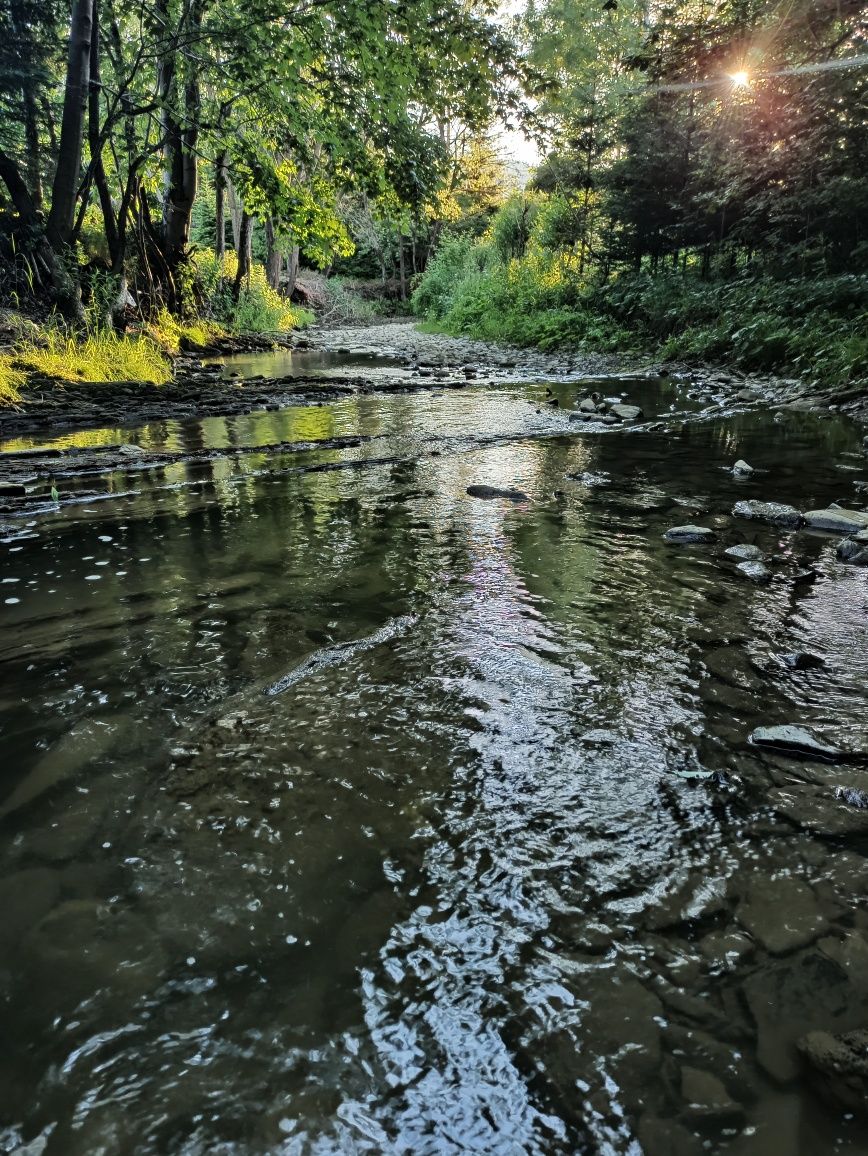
(801, 660)
(854, 549)
(748, 395)
(624, 1021)
(667, 1138)
(744, 553)
(836, 520)
(815, 809)
(775, 513)
(626, 412)
(796, 742)
(781, 914)
(725, 950)
(804, 993)
(25, 898)
(588, 405)
(853, 797)
(837, 1067)
(689, 533)
(755, 571)
(741, 469)
(805, 577)
(690, 902)
(495, 492)
(706, 1096)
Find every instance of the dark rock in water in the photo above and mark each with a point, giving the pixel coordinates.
(855, 549)
(553, 401)
(815, 809)
(626, 412)
(755, 571)
(801, 660)
(495, 492)
(12, 490)
(588, 405)
(748, 395)
(744, 553)
(689, 534)
(806, 577)
(782, 914)
(741, 469)
(837, 520)
(853, 797)
(775, 513)
(838, 1067)
(706, 1097)
(797, 742)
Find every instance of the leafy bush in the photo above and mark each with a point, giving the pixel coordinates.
(259, 309)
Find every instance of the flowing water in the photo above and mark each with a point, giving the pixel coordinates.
(343, 812)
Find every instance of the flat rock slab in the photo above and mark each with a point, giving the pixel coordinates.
(489, 492)
(626, 412)
(838, 1067)
(816, 809)
(782, 915)
(744, 553)
(796, 742)
(775, 513)
(836, 521)
(755, 571)
(689, 534)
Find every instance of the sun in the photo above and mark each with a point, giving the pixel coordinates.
(740, 79)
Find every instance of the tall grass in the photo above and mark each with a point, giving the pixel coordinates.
(100, 357)
(10, 381)
(259, 308)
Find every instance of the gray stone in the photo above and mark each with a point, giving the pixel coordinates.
(706, 1097)
(748, 395)
(838, 1067)
(741, 469)
(797, 742)
(689, 534)
(853, 550)
(489, 492)
(626, 412)
(588, 405)
(853, 797)
(804, 993)
(775, 513)
(755, 571)
(836, 520)
(781, 915)
(816, 809)
(744, 553)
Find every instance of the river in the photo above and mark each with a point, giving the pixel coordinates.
(345, 812)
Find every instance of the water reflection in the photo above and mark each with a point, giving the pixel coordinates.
(463, 890)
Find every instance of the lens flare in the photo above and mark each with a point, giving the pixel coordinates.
(740, 79)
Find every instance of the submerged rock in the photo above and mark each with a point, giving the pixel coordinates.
(836, 520)
(706, 1096)
(854, 549)
(797, 742)
(745, 553)
(801, 660)
(496, 492)
(689, 534)
(853, 797)
(755, 571)
(782, 914)
(838, 1066)
(775, 513)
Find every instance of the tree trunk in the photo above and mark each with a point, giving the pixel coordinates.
(292, 270)
(68, 172)
(236, 212)
(274, 257)
(244, 249)
(96, 146)
(402, 271)
(220, 176)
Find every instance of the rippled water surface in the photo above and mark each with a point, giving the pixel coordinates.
(344, 812)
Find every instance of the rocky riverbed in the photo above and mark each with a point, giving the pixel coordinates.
(462, 755)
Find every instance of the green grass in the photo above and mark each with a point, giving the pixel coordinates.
(100, 357)
(10, 381)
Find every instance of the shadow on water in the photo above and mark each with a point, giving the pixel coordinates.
(465, 883)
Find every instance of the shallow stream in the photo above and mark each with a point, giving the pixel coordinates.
(344, 812)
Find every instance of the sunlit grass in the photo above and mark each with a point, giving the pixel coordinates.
(10, 381)
(100, 357)
(172, 334)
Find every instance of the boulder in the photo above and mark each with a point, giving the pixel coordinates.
(689, 534)
(748, 395)
(741, 469)
(588, 405)
(796, 742)
(626, 412)
(837, 520)
(838, 1067)
(775, 513)
(755, 571)
(744, 553)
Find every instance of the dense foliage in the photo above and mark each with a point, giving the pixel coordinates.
(119, 121)
(705, 189)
